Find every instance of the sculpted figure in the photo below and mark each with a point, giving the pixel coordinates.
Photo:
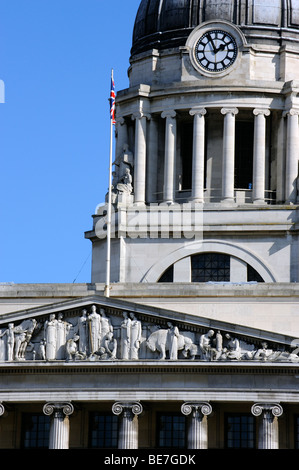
(50, 337)
(94, 324)
(233, 348)
(263, 354)
(63, 329)
(126, 183)
(135, 337)
(106, 327)
(205, 344)
(10, 341)
(72, 349)
(108, 351)
(173, 336)
(42, 350)
(125, 337)
(22, 336)
(83, 332)
(163, 341)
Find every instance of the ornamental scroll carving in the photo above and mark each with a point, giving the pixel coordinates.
(92, 335)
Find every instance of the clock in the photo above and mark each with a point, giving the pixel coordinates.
(216, 50)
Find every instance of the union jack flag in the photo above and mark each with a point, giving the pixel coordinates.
(112, 100)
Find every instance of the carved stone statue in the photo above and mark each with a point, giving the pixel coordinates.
(173, 337)
(10, 341)
(108, 351)
(72, 352)
(205, 344)
(63, 329)
(125, 186)
(162, 341)
(83, 333)
(136, 332)
(51, 337)
(94, 324)
(125, 337)
(106, 327)
(233, 351)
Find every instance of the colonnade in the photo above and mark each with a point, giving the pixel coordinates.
(142, 180)
(197, 427)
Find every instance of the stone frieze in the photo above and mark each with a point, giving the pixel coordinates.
(92, 335)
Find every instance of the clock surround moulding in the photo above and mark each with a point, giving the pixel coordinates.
(211, 39)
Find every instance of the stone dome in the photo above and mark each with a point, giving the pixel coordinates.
(164, 24)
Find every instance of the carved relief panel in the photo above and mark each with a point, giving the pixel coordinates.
(93, 335)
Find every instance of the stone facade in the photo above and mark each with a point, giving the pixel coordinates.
(199, 333)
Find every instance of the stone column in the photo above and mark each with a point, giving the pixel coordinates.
(170, 156)
(228, 166)
(60, 426)
(152, 161)
(198, 156)
(140, 157)
(292, 155)
(198, 424)
(128, 432)
(259, 155)
(268, 428)
(122, 137)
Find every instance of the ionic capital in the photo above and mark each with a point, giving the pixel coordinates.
(168, 114)
(140, 115)
(2, 409)
(66, 408)
(290, 112)
(120, 121)
(204, 408)
(232, 111)
(119, 407)
(275, 408)
(199, 111)
(265, 112)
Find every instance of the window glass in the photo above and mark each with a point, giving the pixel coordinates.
(210, 267)
(171, 430)
(240, 431)
(103, 430)
(35, 431)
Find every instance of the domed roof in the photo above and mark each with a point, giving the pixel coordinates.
(162, 24)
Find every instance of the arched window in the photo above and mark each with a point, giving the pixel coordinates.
(207, 267)
(167, 276)
(211, 267)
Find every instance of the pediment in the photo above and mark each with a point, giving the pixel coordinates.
(96, 329)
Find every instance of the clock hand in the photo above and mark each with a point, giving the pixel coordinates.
(212, 42)
(220, 48)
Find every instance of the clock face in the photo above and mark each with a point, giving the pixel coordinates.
(216, 50)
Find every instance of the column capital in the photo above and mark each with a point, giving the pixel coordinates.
(290, 112)
(275, 408)
(168, 114)
(233, 111)
(2, 409)
(265, 112)
(200, 111)
(135, 407)
(120, 120)
(204, 408)
(66, 408)
(140, 115)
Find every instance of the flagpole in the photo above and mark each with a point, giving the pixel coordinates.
(108, 255)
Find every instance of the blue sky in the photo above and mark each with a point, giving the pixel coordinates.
(56, 58)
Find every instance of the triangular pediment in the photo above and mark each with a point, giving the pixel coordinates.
(97, 328)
